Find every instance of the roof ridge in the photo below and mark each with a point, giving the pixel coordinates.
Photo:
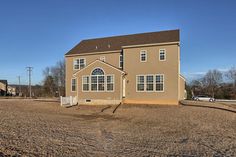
(125, 35)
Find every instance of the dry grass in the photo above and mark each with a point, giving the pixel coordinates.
(30, 128)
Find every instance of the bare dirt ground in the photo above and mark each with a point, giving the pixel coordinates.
(30, 128)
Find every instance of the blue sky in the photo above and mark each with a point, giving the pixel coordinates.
(39, 33)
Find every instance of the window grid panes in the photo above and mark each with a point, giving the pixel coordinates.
(85, 83)
(143, 56)
(159, 83)
(140, 83)
(73, 85)
(110, 83)
(162, 55)
(79, 63)
(97, 71)
(97, 81)
(149, 82)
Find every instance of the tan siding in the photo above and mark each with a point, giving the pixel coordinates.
(107, 95)
(111, 58)
(169, 68)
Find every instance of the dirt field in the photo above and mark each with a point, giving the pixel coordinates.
(30, 128)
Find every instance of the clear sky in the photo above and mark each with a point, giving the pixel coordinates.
(38, 33)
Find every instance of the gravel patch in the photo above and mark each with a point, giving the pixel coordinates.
(31, 128)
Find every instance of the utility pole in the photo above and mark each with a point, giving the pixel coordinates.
(19, 86)
(29, 69)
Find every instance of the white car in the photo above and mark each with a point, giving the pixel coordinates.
(203, 98)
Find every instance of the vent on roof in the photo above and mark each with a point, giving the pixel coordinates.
(109, 46)
(96, 47)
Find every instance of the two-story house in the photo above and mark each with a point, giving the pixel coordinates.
(136, 69)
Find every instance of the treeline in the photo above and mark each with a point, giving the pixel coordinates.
(214, 83)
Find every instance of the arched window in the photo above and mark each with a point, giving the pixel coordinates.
(97, 71)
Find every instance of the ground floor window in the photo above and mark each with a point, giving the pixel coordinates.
(98, 83)
(150, 83)
(110, 83)
(73, 85)
(85, 82)
(140, 83)
(159, 82)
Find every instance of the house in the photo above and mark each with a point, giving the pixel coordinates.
(3, 87)
(134, 69)
(11, 90)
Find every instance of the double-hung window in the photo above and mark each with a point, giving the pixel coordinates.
(94, 83)
(79, 63)
(149, 82)
(160, 82)
(73, 85)
(98, 82)
(143, 56)
(101, 83)
(140, 83)
(110, 83)
(85, 82)
(162, 54)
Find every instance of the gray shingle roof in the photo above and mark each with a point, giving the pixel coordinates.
(116, 42)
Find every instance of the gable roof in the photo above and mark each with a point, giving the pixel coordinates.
(105, 63)
(117, 42)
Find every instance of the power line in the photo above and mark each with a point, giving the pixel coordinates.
(29, 69)
(19, 85)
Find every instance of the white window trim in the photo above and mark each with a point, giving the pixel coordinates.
(83, 83)
(75, 59)
(137, 83)
(140, 55)
(105, 83)
(161, 91)
(154, 83)
(113, 83)
(97, 68)
(75, 85)
(145, 83)
(160, 54)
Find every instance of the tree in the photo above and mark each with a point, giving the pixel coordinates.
(49, 86)
(56, 76)
(231, 75)
(212, 80)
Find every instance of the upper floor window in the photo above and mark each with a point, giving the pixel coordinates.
(73, 85)
(162, 54)
(103, 58)
(79, 63)
(121, 61)
(143, 56)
